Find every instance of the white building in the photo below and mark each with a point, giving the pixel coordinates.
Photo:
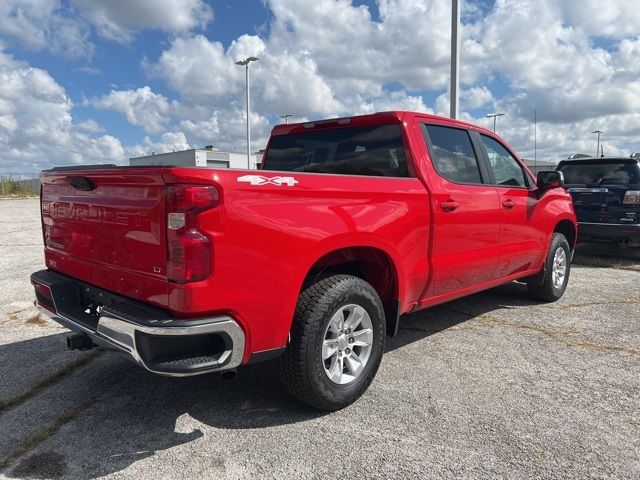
(540, 165)
(198, 157)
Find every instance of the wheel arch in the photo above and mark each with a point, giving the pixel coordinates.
(370, 263)
(568, 229)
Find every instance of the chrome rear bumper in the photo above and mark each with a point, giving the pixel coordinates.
(151, 338)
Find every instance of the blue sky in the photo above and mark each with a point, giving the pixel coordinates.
(88, 81)
(119, 66)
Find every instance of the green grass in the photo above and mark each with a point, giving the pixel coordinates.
(11, 189)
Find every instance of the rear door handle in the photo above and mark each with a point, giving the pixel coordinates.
(449, 205)
(508, 204)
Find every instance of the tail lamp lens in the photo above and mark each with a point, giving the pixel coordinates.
(632, 197)
(188, 249)
(175, 221)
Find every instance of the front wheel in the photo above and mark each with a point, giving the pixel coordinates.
(336, 344)
(557, 268)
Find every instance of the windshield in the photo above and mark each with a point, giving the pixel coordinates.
(601, 173)
(376, 150)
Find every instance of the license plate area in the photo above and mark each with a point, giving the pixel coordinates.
(589, 196)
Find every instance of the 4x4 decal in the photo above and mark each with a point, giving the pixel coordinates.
(262, 180)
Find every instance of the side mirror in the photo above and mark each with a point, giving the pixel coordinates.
(550, 179)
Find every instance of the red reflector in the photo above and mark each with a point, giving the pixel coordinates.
(44, 297)
(46, 306)
(43, 290)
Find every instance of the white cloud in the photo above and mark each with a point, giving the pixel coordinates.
(329, 58)
(118, 20)
(89, 70)
(557, 142)
(576, 63)
(198, 69)
(226, 130)
(442, 105)
(294, 84)
(616, 19)
(89, 126)
(64, 27)
(476, 97)
(322, 58)
(554, 66)
(345, 43)
(168, 142)
(141, 107)
(388, 101)
(36, 128)
(45, 25)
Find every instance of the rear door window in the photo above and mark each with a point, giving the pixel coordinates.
(452, 153)
(597, 174)
(506, 169)
(376, 150)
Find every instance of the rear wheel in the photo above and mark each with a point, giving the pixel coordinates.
(336, 345)
(557, 269)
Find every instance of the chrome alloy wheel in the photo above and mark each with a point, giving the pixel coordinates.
(347, 344)
(559, 268)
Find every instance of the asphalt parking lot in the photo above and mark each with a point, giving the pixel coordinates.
(490, 386)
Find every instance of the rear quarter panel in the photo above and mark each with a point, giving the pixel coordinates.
(267, 237)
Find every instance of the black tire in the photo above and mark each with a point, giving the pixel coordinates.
(301, 366)
(547, 291)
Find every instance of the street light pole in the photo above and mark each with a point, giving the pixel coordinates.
(535, 139)
(455, 58)
(245, 63)
(598, 147)
(494, 116)
(286, 116)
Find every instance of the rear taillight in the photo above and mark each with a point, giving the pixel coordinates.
(632, 197)
(188, 250)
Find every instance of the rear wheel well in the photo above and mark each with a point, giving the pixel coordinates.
(566, 228)
(372, 265)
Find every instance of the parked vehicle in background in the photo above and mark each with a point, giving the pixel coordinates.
(606, 198)
(350, 223)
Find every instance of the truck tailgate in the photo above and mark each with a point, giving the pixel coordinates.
(106, 226)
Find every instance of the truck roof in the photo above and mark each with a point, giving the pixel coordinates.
(394, 116)
(595, 160)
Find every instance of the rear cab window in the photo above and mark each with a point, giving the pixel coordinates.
(601, 173)
(377, 150)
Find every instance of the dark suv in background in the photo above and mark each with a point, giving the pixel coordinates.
(606, 197)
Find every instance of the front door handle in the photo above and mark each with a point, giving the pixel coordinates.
(508, 204)
(449, 205)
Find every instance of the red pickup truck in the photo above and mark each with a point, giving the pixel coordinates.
(348, 224)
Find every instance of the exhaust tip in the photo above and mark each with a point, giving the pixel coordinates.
(229, 374)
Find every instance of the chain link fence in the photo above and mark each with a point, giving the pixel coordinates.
(19, 184)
